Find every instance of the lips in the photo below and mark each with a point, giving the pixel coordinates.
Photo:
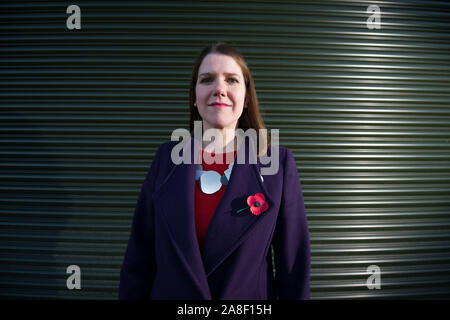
(219, 105)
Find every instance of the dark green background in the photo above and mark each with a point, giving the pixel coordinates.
(365, 112)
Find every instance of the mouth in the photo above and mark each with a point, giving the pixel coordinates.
(219, 105)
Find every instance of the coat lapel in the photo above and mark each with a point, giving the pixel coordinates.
(227, 228)
(175, 199)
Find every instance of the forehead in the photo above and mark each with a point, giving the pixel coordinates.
(219, 63)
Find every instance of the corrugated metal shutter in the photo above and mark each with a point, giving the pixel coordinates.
(366, 113)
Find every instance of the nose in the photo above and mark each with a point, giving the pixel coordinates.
(220, 89)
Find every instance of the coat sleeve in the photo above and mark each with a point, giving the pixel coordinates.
(139, 266)
(291, 238)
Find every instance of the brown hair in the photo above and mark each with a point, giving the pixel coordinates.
(250, 117)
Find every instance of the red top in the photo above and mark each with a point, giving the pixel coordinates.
(205, 204)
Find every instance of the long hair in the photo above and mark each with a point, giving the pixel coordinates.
(250, 117)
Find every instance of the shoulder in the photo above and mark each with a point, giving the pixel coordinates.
(164, 150)
(288, 155)
(277, 160)
(282, 153)
(161, 162)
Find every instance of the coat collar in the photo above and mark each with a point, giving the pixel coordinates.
(227, 229)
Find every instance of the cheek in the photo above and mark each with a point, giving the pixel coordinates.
(238, 95)
(202, 99)
(198, 92)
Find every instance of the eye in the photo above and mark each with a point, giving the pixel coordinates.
(233, 80)
(206, 79)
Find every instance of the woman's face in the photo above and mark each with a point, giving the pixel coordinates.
(220, 92)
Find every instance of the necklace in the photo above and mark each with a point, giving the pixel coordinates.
(211, 181)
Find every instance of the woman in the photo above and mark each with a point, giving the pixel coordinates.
(195, 238)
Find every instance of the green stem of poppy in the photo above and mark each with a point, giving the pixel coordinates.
(242, 209)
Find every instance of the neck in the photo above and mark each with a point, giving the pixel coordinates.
(224, 145)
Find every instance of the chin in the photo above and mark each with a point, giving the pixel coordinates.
(220, 124)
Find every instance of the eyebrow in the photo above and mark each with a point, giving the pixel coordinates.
(212, 73)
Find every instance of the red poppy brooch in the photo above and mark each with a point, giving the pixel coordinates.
(257, 204)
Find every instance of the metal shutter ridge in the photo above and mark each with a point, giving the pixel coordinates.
(365, 112)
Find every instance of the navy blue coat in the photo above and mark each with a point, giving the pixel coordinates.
(163, 260)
